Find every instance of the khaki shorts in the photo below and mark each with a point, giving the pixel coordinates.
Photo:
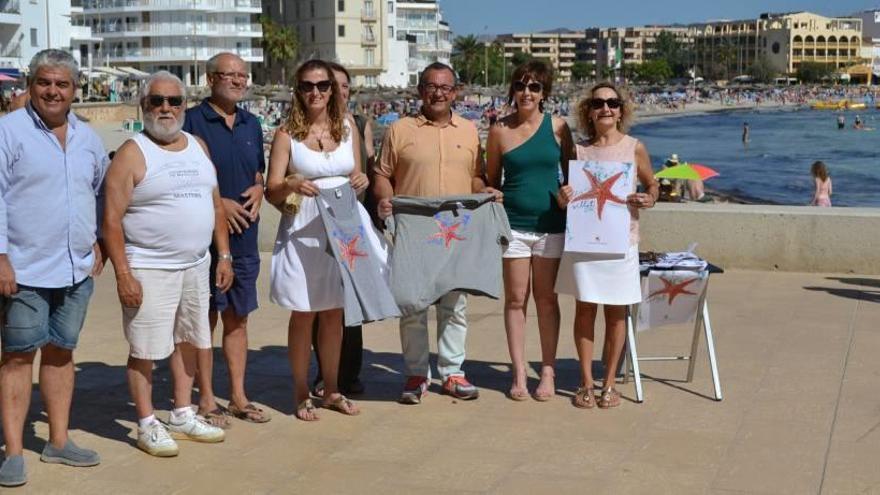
(174, 310)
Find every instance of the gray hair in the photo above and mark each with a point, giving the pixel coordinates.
(54, 58)
(212, 64)
(162, 75)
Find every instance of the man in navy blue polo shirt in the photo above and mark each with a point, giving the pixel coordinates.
(235, 141)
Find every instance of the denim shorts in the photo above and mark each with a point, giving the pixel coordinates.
(34, 317)
(242, 296)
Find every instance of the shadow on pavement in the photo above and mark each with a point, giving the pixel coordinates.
(867, 282)
(862, 295)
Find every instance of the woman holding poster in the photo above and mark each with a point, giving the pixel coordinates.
(529, 146)
(602, 267)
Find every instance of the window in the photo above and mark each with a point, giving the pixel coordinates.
(295, 10)
(34, 37)
(369, 57)
(312, 8)
(390, 32)
(340, 30)
(312, 32)
(340, 5)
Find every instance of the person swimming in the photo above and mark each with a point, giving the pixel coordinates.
(745, 132)
(858, 124)
(841, 122)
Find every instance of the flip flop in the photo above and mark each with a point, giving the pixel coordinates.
(341, 404)
(249, 413)
(518, 394)
(219, 417)
(306, 406)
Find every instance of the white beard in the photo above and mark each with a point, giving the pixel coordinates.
(159, 130)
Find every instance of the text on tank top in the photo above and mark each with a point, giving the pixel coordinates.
(170, 221)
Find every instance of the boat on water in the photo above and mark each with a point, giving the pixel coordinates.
(838, 105)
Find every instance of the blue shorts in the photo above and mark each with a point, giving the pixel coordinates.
(242, 296)
(34, 317)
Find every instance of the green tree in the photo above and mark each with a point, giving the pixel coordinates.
(813, 72)
(676, 54)
(280, 44)
(653, 71)
(762, 70)
(581, 70)
(467, 52)
(520, 58)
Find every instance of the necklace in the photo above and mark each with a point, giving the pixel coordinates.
(320, 138)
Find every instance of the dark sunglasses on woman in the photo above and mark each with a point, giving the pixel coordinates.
(308, 86)
(534, 87)
(599, 103)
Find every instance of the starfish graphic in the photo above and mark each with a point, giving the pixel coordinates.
(600, 191)
(349, 251)
(672, 289)
(447, 233)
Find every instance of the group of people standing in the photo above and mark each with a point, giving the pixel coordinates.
(177, 212)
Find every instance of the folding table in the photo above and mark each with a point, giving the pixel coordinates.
(631, 355)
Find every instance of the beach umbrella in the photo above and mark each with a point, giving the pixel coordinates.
(686, 171)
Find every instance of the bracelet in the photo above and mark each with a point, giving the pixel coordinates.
(224, 257)
(122, 272)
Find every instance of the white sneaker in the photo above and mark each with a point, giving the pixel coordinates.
(155, 441)
(195, 428)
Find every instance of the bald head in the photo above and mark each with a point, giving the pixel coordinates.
(227, 77)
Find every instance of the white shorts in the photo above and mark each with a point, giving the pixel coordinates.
(528, 244)
(174, 310)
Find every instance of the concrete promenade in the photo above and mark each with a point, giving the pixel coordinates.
(799, 371)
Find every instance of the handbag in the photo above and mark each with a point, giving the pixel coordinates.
(290, 205)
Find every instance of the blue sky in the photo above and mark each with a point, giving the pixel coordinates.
(506, 16)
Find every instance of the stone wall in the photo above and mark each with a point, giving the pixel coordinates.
(106, 112)
(785, 238)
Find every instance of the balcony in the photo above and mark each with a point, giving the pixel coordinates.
(177, 54)
(10, 12)
(368, 40)
(208, 29)
(83, 33)
(566, 54)
(369, 15)
(108, 6)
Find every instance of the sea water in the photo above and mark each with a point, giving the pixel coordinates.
(774, 167)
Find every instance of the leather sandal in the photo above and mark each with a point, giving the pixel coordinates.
(583, 398)
(608, 398)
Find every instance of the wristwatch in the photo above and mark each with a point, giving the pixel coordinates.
(225, 257)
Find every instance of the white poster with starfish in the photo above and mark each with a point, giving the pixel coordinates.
(598, 217)
(670, 297)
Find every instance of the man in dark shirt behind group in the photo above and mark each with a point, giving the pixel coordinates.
(235, 141)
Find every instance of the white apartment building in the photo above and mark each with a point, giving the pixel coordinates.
(174, 35)
(28, 26)
(423, 20)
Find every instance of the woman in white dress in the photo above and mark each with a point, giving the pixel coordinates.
(612, 281)
(314, 149)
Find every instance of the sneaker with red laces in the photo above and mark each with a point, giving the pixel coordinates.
(458, 387)
(414, 389)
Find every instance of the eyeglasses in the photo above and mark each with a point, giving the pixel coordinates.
(534, 87)
(442, 88)
(157, 101)
(231, 75)
(599, 103)
(308, 86)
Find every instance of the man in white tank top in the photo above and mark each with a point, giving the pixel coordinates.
(162, 210)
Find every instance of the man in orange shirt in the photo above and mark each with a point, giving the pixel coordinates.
(436, 153)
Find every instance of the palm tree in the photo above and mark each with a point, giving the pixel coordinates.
(468, 50)
(280, 44)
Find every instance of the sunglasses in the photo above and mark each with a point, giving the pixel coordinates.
(599, 103)
(308, 86)
(157, 101)
(534, 87)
